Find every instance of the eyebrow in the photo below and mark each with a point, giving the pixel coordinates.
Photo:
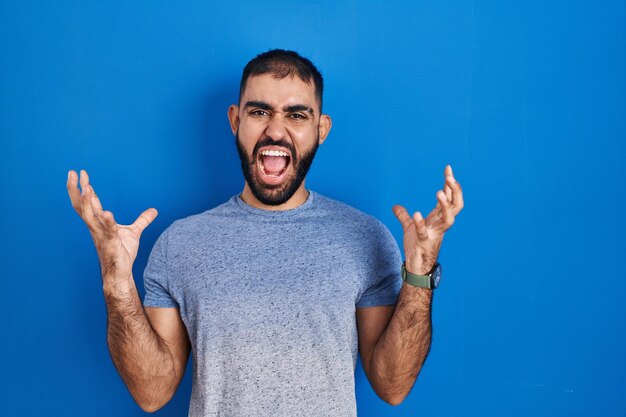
(298, 107)
(293, 108)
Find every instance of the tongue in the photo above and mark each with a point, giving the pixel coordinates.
(274, 164)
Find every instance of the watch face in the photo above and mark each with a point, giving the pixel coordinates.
(436, 275)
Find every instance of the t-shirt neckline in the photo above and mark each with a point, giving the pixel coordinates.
(276, 213)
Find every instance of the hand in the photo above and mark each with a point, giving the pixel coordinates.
(117, 245)
(423, 237)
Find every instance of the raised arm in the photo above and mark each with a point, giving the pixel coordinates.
(395, 345)
(149, 347)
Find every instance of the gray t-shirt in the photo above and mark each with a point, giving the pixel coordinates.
(269, 298)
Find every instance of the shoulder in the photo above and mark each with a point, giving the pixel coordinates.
(200, 222)
(350, 216)
(350, 224)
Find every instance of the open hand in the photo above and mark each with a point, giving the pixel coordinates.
(116, 244)
(423, 237)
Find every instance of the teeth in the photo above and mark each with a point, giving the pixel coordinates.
(274, 153)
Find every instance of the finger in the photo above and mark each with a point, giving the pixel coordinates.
(87, 212)
(448, 190)
(457, 195)
(446, 211)
(84, 178)
(447, 173)
(100, 214)
(95, 201)
(403, 216)
(144, 220)
(73, 191)
(434, 215)
(420, 225)
(110, 225)
(96, 206)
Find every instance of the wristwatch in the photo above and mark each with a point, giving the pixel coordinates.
(430, 280)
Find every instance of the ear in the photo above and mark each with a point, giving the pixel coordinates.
(233, 118)
(324, 127)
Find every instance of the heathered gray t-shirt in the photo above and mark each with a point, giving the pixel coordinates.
(269, 298)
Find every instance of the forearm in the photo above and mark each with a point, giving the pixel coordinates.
(400, 352)
(141, 357)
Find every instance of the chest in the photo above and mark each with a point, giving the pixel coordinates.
(250, 288)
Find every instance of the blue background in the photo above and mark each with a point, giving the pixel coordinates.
(526, 100)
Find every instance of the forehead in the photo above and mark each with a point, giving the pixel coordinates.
(279, 92)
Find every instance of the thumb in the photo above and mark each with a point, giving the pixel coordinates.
(403, 216)
(144, 220)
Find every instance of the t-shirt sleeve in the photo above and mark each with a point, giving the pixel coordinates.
(155, 276)
(386, 280)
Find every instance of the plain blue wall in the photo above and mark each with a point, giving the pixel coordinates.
(527, 101)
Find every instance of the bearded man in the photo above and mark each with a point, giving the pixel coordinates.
(276, 291)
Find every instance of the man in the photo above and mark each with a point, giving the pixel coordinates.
(272, 290)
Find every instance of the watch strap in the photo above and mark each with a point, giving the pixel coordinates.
(423, 281)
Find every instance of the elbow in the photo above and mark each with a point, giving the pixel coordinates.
(154, 393)
(394, 401)
(392, 396)
(151, 407)
(391, 393)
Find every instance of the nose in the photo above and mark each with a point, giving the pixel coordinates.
(276, 128)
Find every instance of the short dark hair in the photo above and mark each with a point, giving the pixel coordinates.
(282, 63)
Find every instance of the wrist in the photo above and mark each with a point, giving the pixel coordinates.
(420, 268)
(118, 286)
(429, 279)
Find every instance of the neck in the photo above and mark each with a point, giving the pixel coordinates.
(297, 199)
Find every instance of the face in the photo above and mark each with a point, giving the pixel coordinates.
(274, 190)
(278, 129)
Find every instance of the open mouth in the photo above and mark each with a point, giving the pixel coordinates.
(273, 165)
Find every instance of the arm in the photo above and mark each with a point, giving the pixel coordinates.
(149, 347)
(395, 345)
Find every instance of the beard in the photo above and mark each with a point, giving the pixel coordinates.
(275, 195)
